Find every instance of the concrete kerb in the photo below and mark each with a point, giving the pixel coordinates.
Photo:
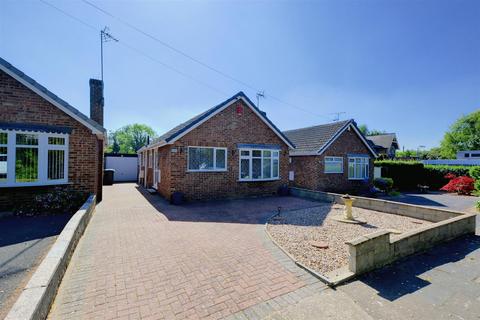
(38, 295)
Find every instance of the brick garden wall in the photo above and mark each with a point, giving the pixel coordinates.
(310, 170)
(225, 129)
(21, 105)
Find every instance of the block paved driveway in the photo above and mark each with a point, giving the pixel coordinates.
(141, 258)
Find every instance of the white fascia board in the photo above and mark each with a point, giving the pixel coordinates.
(223, 108)
(339, 133)
(267, 123)
(151, 146)
(364, 141)
(55, 103)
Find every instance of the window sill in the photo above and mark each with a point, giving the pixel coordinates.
(258, 180)
(333, 172)
(33, 184)
(207, 171)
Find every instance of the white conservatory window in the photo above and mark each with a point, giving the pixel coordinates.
(207, 159)
(259, 165)
(33, 158)
(358, 168)
(333, 165)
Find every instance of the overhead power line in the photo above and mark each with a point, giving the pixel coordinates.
(165, 65)
(138, 51)
(198, 61)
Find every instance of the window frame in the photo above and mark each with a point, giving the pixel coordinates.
(336, 159)
(250, 158)
(366, 169)
(42, 167)
(215, 169)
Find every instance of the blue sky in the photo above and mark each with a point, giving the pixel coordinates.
(410, 67)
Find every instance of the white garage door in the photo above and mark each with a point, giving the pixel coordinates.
(125, 167)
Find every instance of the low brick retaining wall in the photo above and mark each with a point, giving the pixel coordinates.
(35, 301)
(403, 209)
(377, 249)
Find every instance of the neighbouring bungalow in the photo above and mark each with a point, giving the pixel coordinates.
(332, 157)
(231, 150)
(385, 144)
(44, 141)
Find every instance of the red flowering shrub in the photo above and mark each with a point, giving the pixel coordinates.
(450, 176)
(460, 185)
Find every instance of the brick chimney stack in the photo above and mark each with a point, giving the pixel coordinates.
(96, 101)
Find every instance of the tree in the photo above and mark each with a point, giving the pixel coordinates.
(115, 145)
(130, 138)
(367, 132)
(433, 153)
(376, 132)
(464, 134)
(363, 129)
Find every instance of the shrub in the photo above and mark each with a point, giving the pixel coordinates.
(460, 185)
(434, 176)
(384, 184)
(57, 201)
(475, 174)
(478, 205)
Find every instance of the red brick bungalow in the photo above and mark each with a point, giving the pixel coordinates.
(332, 157)
(230, 150)
(44, 141)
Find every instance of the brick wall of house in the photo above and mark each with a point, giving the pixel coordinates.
(164, 187)
(21, 105)
(226, 129)
(310, 170)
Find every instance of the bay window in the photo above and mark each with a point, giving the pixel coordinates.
(358, 168)
(259, 164)
(207, 159)
(33, 158)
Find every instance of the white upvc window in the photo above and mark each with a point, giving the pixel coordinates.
(259, 165)
(358, 168)
(206, 159)
(333, 164)
(150, 158)
(33, 158)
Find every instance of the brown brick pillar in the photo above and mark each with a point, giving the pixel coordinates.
(96, 101)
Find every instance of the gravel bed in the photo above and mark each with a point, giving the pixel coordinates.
(295, 230)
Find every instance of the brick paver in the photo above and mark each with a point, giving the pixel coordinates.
(141, 258)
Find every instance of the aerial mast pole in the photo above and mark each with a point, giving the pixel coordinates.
(105, 36)
(260, 94)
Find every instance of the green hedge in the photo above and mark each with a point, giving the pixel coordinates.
(405, 174)
(434, 175)
(408, 174)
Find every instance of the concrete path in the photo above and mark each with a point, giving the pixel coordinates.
(443, 283)
(23, 243)
(142, 258)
